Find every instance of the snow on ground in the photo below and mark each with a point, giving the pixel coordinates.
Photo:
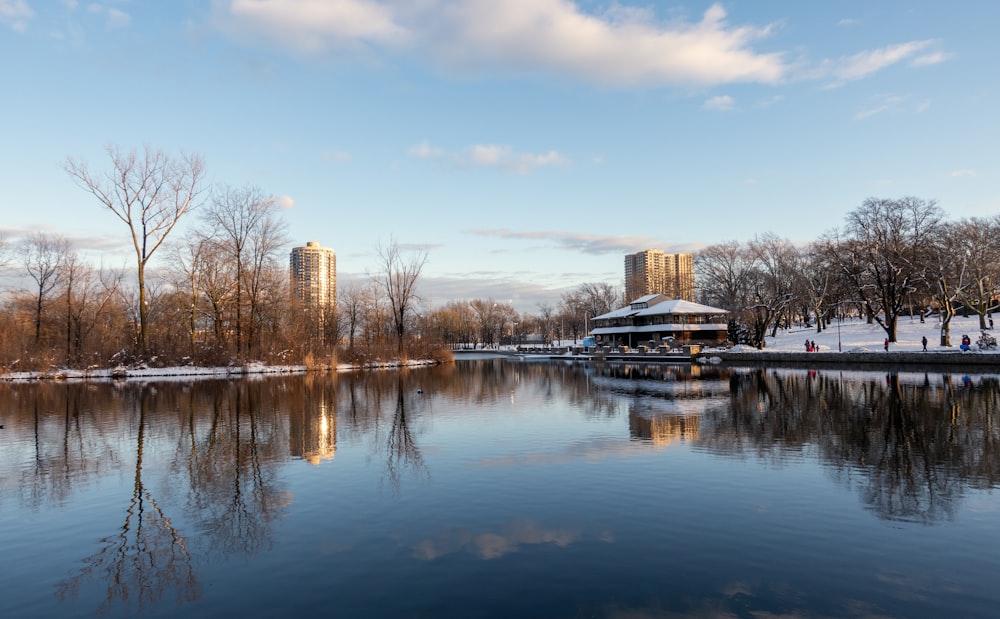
(858, 336)
(250, 370)
(848, 336)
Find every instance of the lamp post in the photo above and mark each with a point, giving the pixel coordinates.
(840, 319)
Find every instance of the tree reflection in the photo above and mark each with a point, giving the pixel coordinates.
(148, 556)
(402, 450)
(918, 443)
(233, 495)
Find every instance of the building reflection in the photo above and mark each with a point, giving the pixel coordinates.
(665, 429)
(313, 432)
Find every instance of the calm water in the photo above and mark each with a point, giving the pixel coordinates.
(502, 489)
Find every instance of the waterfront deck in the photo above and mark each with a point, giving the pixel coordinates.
(580, 353)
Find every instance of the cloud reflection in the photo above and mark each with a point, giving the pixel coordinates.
(490, 545)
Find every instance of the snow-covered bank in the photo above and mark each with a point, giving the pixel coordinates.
(859, 336)
(192, 372)
(858, 344)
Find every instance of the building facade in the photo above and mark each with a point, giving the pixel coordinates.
(313, 275)
(657, 318)
(655, 272)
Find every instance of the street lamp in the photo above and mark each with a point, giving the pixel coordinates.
(840, 319)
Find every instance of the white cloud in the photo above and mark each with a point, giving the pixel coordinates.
(285, 202)
(722, 103)
(497, 156)
(766, 103)
(883, 103)
(504, 158)
(115, 18)
(892, 103)
(118, 19)
(425, 151)
(312, 26)
(962, 173)
(618, 48)
(584, 243)
(488, 154)
(16, 14)
(930, 59)
(865, 63)
(621, 46)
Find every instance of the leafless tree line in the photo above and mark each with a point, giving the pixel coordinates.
(489, 323)
(892, 258)
(221, 294)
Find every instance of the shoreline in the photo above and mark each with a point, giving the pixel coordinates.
(198, 372)
(858, 360)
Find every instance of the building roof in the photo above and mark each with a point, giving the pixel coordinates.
(666, 306)
(665, 328)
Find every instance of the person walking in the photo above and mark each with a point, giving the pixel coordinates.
(923, 341)
(886, 344)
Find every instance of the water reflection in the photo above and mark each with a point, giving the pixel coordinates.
(492, 545)
(148, 555)
(917, 440)
(206, 461)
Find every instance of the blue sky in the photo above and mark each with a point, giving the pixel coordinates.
(526, 145)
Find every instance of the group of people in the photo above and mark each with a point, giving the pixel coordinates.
(811, 346)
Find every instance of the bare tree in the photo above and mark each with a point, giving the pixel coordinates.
(149, 192)
(885, 253)
(398, 281)
(776, 267)
(189, 263)
(945, 276)
(546, 321)
(723, 272)
(43, 256)
(490, 317)
(90, 297)
(813, 284)
(352, 303)
(246, 227)
(217, 288)
(975, 249)
(584, 302)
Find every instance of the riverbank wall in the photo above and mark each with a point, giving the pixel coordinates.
(931, 360)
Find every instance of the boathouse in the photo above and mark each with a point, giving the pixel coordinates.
(657, 319)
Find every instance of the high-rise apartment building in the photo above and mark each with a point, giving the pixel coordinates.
(654, 272)
(313, 274)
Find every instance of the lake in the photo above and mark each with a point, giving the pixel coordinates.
(498, 488)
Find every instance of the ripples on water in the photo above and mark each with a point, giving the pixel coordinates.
(494, 488)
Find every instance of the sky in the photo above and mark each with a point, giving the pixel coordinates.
(525, 145)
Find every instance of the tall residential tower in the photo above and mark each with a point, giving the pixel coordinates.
(313, 274)
(654, 272)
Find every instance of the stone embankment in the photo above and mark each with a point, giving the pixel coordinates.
(857, 360)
